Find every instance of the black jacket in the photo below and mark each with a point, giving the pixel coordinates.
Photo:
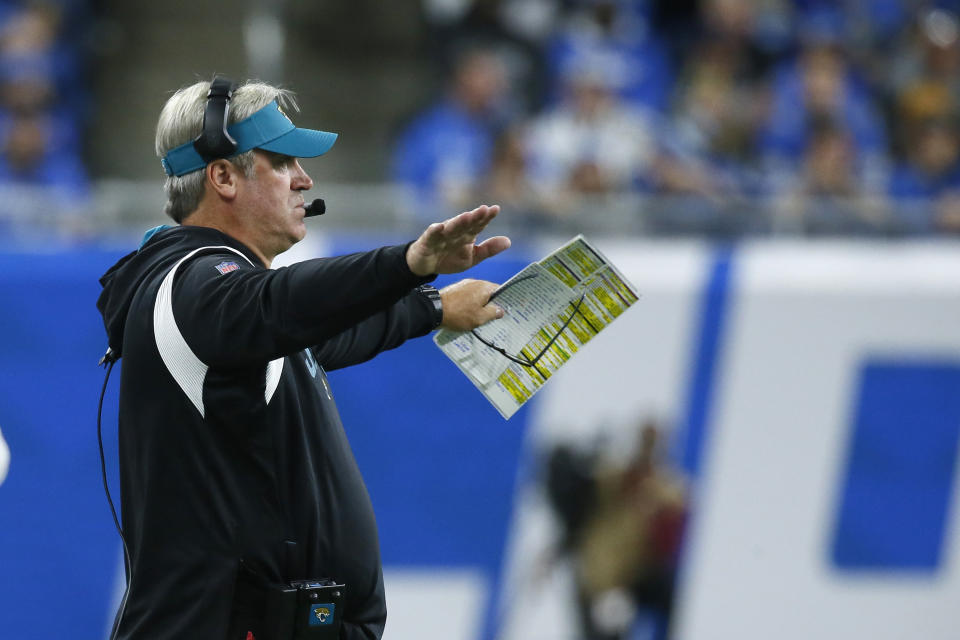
(230, 440)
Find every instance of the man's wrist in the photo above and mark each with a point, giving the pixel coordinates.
(433, 297)
(425, 277)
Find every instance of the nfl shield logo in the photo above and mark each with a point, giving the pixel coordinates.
(227, 267)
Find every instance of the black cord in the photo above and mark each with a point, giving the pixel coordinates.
(527, 362)
(517, 280)
(109, 361)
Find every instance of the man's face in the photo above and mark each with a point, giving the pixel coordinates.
(271, 202)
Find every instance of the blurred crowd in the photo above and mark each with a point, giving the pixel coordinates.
(710, 116)
(717, 117)
(43, 104)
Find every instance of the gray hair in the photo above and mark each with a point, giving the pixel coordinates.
(182, 119)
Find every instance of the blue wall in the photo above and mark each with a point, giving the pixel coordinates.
(56, 535)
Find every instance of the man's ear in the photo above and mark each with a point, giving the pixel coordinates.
(222, 176)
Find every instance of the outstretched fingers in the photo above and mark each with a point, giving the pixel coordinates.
(471, 223)
(451, 246)
(490, 247)
(434, 234)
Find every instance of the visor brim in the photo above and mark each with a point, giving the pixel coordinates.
(301, 143)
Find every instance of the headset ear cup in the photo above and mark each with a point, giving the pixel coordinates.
(214, 141)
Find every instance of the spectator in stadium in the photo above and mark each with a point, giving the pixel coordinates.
(31, 156)
(928, 60)
(868, 29)
(821, 85)
(513, 30)
(236, 473)
(593, 143)
(714, 120)
(30, 28)
(723, 93)
(752, 35)
(39, 184)
(42, 176)
(925, 187)
(708, 159)
(508, 182)
(442, 155)
(33, 45)
(614, 35)
(28, 87)
(828, 195)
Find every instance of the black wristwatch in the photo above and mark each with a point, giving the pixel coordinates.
(431, 294)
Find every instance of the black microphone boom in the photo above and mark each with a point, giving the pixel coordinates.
(316, 208)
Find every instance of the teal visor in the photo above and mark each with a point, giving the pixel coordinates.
(268, 129)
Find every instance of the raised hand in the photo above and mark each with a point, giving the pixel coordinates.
(449, 246)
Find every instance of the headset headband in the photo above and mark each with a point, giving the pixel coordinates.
(267, 129)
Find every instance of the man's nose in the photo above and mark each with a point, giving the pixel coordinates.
(300, 180)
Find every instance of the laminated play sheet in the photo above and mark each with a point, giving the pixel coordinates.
(553, 308)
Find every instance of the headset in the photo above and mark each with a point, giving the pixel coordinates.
(215, 141)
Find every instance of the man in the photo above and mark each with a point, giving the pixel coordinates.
(236, 473)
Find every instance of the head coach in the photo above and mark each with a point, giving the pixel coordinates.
(237, 478)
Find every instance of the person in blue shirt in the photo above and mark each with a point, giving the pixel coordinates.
(441, 157)
(31, 156)
(615, 35)
(821, 85)
(38, 178)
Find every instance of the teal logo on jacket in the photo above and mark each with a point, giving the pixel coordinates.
(321, 614)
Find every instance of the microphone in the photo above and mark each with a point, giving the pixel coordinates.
(316, 208)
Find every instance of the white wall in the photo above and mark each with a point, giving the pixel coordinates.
(802, 319)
